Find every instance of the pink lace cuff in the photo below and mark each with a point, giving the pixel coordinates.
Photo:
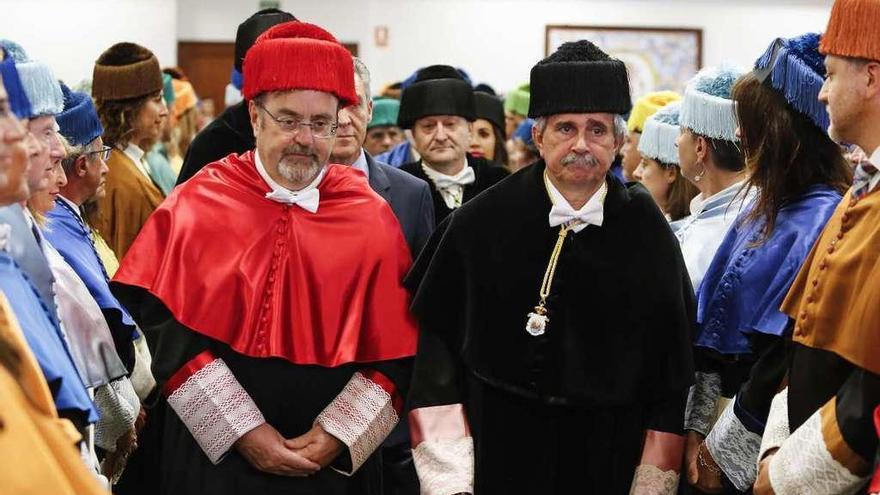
(362, 415)
(215, 408)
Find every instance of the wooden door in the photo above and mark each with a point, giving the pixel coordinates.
(208, 66)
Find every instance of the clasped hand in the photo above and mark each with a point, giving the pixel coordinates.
(267, 450)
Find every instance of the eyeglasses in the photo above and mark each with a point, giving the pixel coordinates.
(319, 129)
(104, 151)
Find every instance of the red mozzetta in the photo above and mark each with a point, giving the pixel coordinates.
(273, 280)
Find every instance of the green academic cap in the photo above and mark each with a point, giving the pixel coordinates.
(385, 112)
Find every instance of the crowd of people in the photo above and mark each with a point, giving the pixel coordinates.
(438, 289)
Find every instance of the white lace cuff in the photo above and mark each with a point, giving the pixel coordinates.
(701, 403)
(361, 416)
(776, 430)
(119, 406)
(213, 405)
(443, 449)
(803, 465)
(734, 448)
(651, 480)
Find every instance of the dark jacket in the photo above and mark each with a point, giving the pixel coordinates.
(410, 199)
(486, 176)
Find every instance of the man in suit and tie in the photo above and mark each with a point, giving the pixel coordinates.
(409, 197)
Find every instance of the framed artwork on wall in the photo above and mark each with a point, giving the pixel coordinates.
(656, 58)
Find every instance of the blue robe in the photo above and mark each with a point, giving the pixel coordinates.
(47, 343)
(397, 155)
(73, 239)
(745, 284)
(23, 246)
(160, 169)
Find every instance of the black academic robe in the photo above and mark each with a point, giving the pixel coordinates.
(230, 132)
(486, 175)
(815, 376)
(289, 396)
(570, 407)
(289, 355)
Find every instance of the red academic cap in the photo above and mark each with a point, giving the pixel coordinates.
(298, 55)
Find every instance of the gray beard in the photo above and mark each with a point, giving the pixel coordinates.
(299, 174)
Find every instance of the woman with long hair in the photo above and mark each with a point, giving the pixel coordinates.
(127, 89)
(799, 175)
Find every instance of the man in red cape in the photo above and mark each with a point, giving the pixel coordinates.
(270, 288)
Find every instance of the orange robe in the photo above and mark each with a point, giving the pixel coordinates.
(42, 445)
(131, 198)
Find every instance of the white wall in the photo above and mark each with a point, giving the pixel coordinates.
(70, 34)
(498, 41)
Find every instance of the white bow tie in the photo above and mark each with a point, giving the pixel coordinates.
(461, 179)
(591, 214)
(307, 200)
(451, 187)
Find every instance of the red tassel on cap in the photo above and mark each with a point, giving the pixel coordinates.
(298, 55)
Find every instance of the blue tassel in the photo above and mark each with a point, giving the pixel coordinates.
(18, 100)
(798, 74)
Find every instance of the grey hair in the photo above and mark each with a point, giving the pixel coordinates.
(73, 152)
(363, 73)
(619, 126)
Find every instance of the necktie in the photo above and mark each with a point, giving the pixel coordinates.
(307, 200)
(865, 171)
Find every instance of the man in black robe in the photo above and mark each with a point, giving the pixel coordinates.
(231, 131)
(439, 108)
(587, 388)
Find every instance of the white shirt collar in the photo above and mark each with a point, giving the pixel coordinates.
(451, 187)
(434, 174)
(73, 206)
(596, 202)
(875, 160)
(261, 169)
(698, 203)
(133, 152)
(361, 164)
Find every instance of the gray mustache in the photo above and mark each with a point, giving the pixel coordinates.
(300, 150)
(578, 159)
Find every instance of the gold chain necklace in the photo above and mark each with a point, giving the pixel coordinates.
(538, 319)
